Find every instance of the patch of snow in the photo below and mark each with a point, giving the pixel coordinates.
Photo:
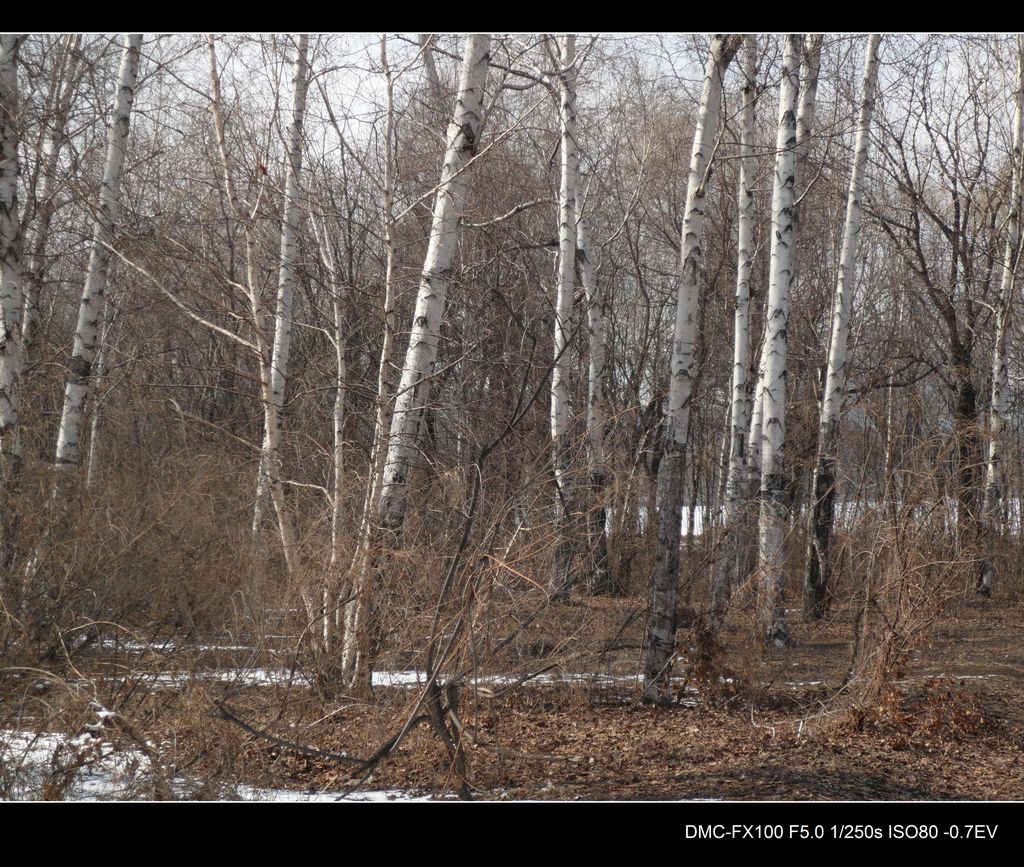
(87, 768)
(250, 793)
(132, 646)
(399, 678)
(82, 768)
(236, 676)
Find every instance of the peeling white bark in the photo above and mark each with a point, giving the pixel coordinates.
(811, 64)
(84, 352)
(386, 511)
(773, 437)
(736, 482)
(10, 253)
(808, 100)
(560, 439)
(424, 339)
(270, 465)
(661, 625)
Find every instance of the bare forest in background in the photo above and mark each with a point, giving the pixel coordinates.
(511, 416)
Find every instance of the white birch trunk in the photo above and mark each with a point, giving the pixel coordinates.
(272, 418)
(808, 100)
(661, 625)
(819, 531)
(84, 352)
(755, 398)
(736, 480)
(421, 356)
(773, 436)
(10, 259)
(1000, 373)
(804, 129)
(386, 510)
(382, 414)
(270, 461)
(10, 302)
(560, 374)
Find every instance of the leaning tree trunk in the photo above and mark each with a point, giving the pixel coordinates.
(388, 513)
(735, 487)
(773, 436)
(86, 333)
(661, 624)
(421, 355)
(560, 374)
(817, 575)
(1000, 378)
(597, 327)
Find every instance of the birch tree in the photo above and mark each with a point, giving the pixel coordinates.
(424, 338)
(413, 394)
(560, 435)
(1000, 377)
(739, 409)
(773, 437)
(808, 101)
(661, 624)
(10, 256)
(10, 295)
(811, 63)
(270, 462)
(90, 309)
(820, 520)
(245, 213)
(347, 608)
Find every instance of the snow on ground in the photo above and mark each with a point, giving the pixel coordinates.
(82, 768)
(394, 679)
(234, 676)
(134, 646)
(88, 768)
(249, 793)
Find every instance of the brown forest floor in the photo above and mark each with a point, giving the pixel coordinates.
(767, 724)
